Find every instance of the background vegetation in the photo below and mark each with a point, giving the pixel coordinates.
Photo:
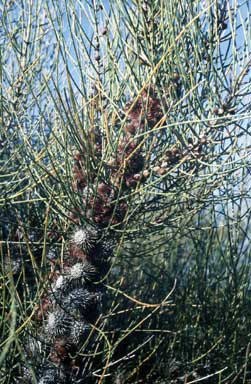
(177, 304)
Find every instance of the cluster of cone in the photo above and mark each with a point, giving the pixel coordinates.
(70, 305)
(73, 300)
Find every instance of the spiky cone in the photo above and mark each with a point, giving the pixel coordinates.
(58, 323)
(81, 301)
(81, 272)
(85, 238)
(52, 375)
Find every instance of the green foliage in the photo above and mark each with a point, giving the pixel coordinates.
(178, 292)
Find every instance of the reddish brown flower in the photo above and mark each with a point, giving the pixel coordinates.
(76, 252)
(78, 156)
(45, 305)
(147, 109)
(60, 350)
(104, 190)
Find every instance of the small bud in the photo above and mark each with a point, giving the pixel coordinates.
(175, 151)
(130, 182)
(97, 46)
(168, 155)
(203, 140)
(212, 123)
(137, 176)
(222, 26)
(77, 156)
(146, 173)
(114, 221)
(156, 169)
(162, 171)
(164, 164)
(111, 163)
(103, 31)
(176, 76)
(232, 111)
(219, 111)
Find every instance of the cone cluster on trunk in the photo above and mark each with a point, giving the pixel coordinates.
(74, 295)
